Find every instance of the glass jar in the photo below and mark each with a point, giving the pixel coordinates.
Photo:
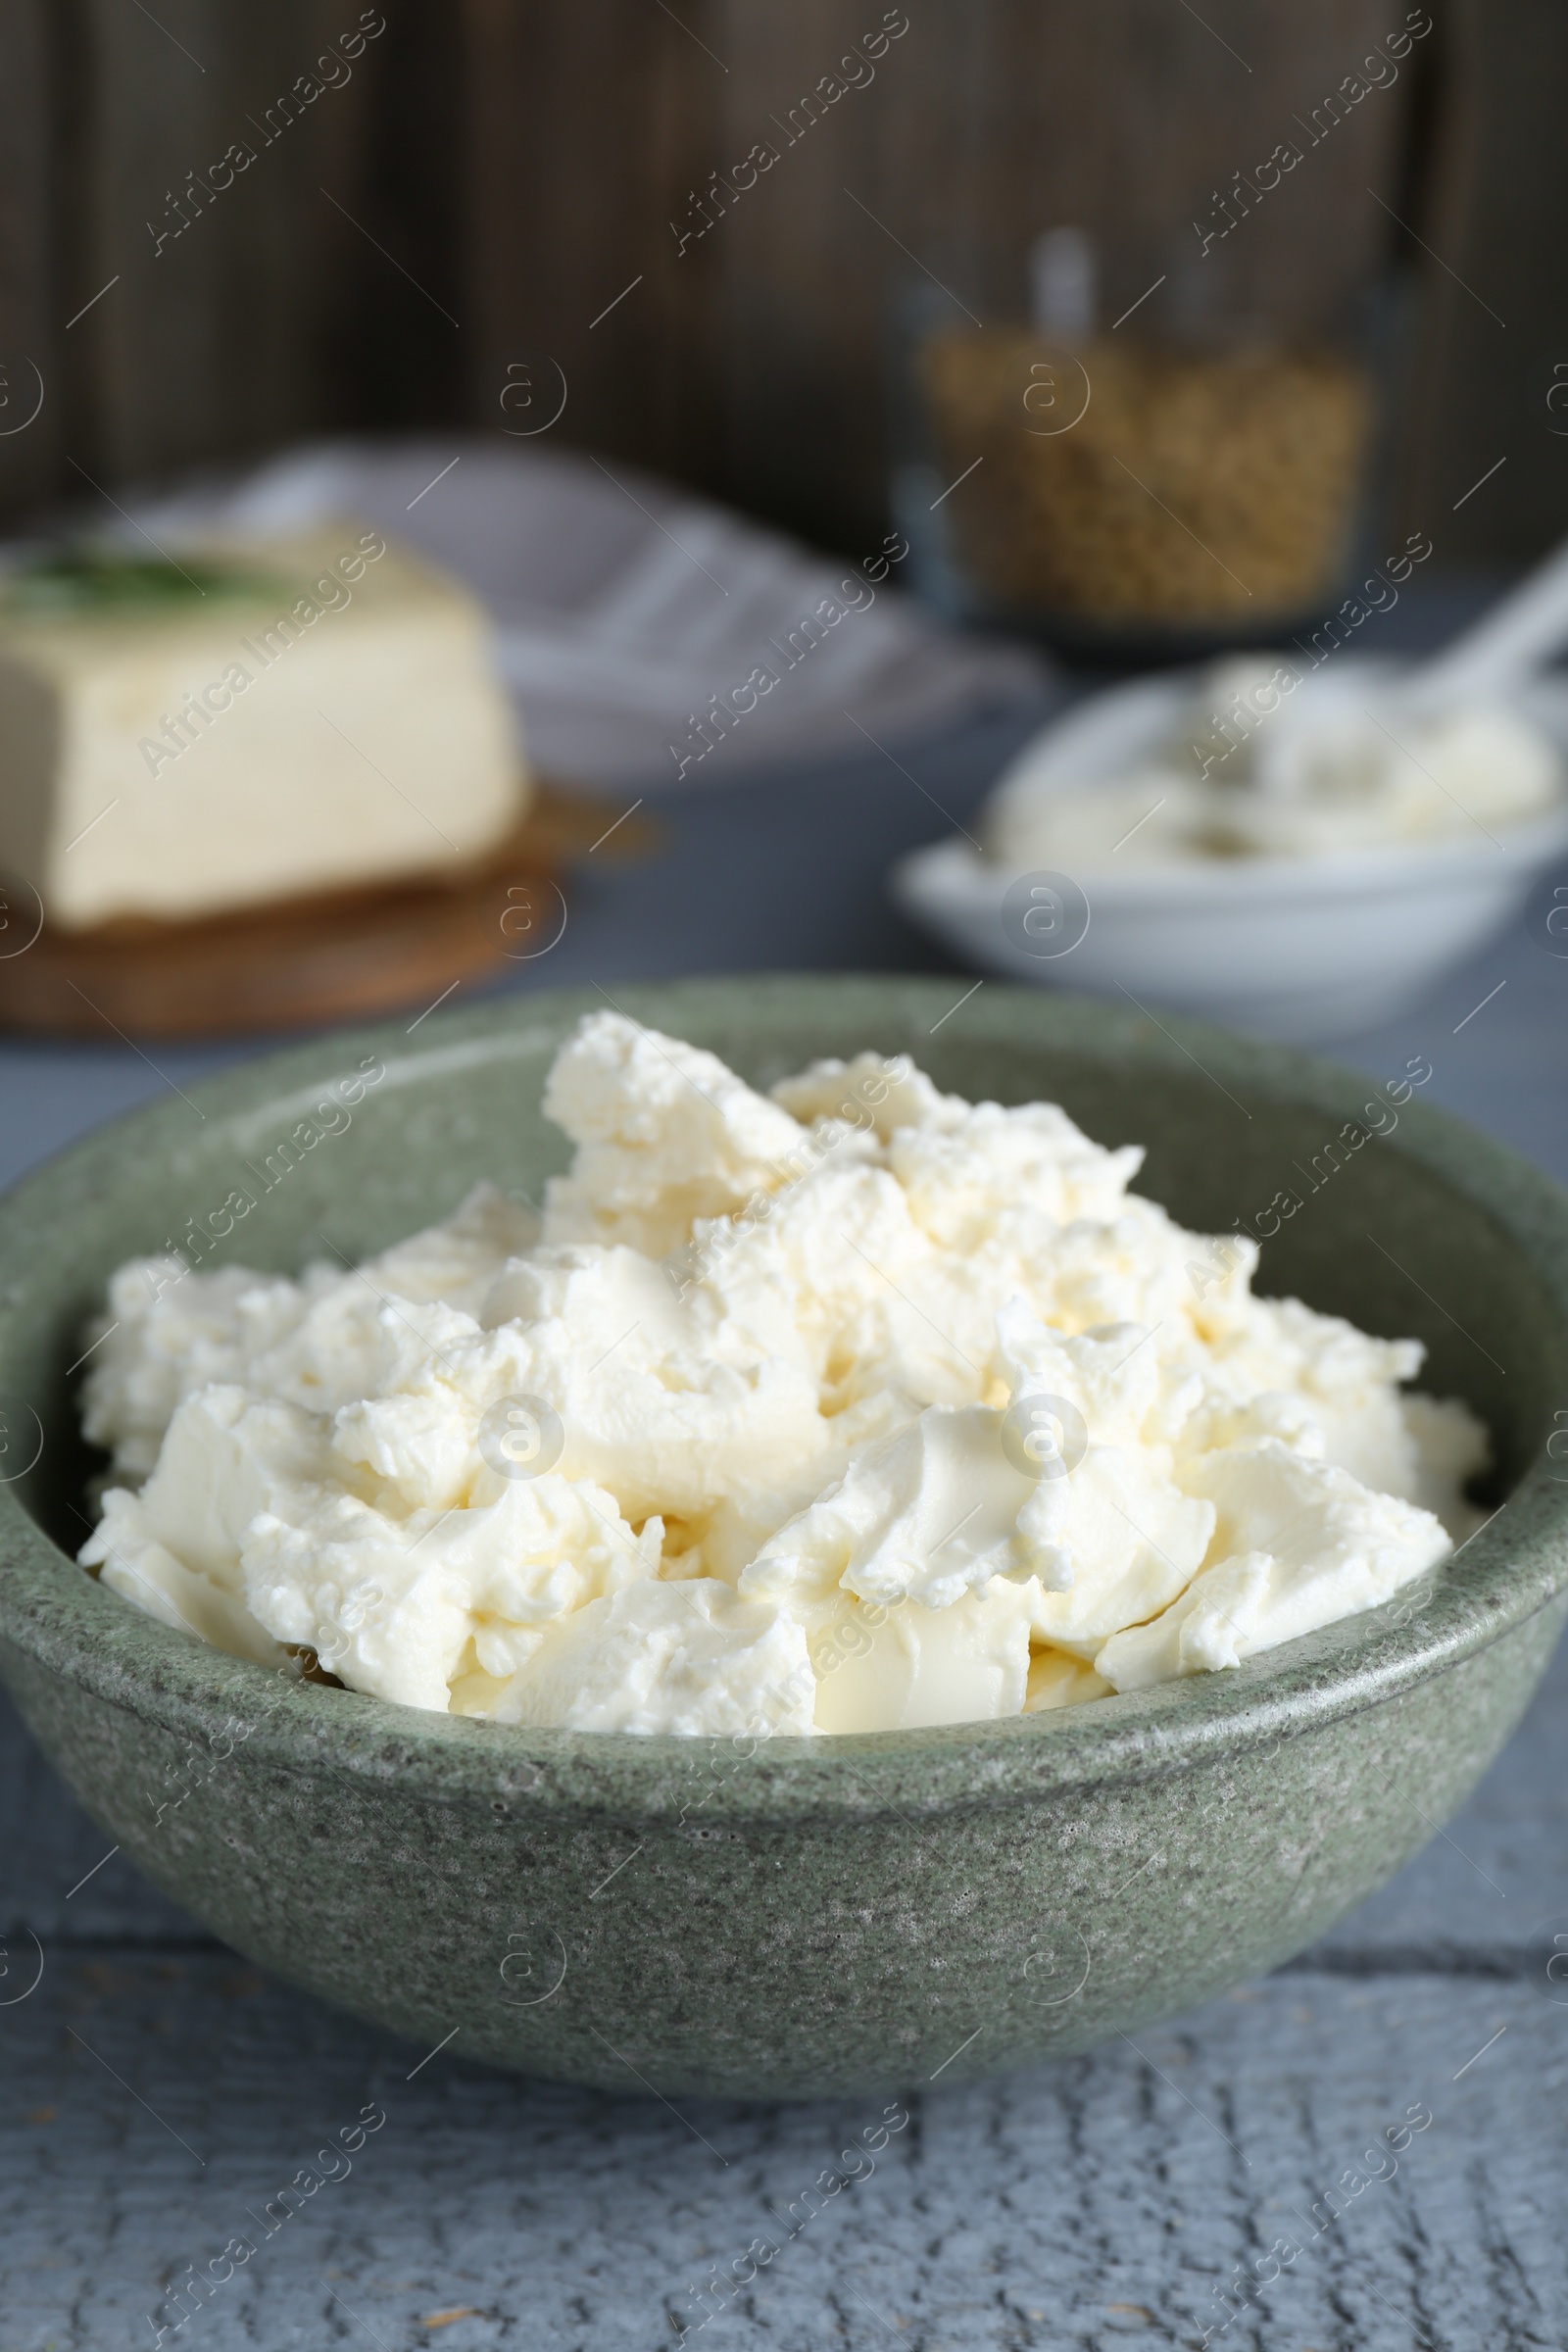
(1184, 478)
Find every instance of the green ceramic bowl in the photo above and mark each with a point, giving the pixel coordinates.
(862, 1913)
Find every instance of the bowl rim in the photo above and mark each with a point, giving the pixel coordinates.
(1158, 696)
(56, 1619)
(951, 873)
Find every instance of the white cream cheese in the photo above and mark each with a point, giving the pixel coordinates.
(277, 716)
(1268, 764)
(853, 1407)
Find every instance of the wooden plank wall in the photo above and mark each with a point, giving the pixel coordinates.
(501, 179)
(1492, 343)
(29, 437)
(221, 320)
(759, 352)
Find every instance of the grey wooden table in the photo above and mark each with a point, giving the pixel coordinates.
(156, 2092)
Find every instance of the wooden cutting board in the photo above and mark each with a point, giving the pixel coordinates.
(307, 963)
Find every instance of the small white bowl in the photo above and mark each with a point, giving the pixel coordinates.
(1291, 948)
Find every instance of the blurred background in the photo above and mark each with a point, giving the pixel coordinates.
(487, 176)
(1080, 339)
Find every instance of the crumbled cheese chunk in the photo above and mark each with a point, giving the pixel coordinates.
(855, 1407)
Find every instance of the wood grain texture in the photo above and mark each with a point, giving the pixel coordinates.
(589, 124)
(507, 170)
(226, 318)
(204, 347)
(973, 135)
(29, 319)
(1492, 348)
(307, 963)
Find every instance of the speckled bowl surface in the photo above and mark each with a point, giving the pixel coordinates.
(861, 1913)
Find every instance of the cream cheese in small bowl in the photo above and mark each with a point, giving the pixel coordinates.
(1301, 855)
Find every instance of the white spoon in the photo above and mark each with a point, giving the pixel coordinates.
(1517, 637)
(1327, 726)
(1334, 710)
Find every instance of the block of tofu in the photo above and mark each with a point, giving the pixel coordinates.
(247, 722)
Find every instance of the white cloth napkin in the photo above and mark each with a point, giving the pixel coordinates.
(623, 606)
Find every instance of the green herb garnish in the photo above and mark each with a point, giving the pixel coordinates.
(99, 580)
